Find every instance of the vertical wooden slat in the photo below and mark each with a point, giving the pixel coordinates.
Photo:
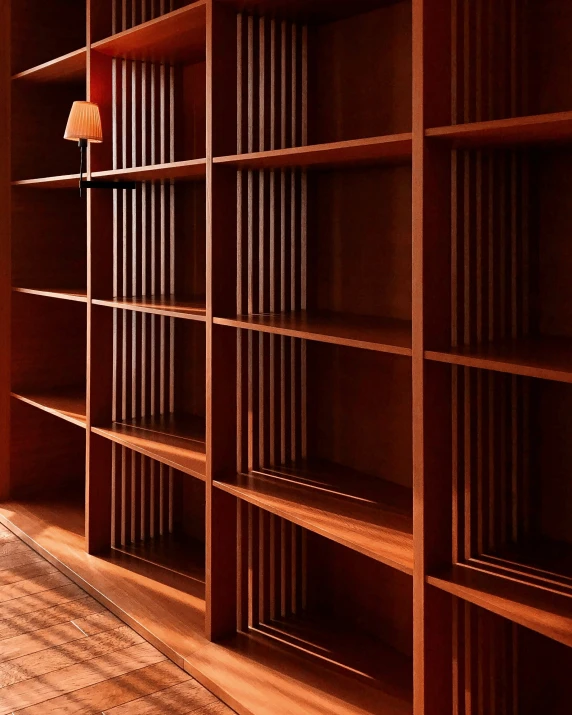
(456, 654)
(468, 450)
(492, 435)
(253, 566)
(242, 565)
(515, 391)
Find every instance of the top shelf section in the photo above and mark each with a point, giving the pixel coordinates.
(179, 37)
(537, 129)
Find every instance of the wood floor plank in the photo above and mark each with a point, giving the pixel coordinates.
(7, 535)
(176, 700)
(98, 623)
(28, 623)
(11, 546)
(111, 693)
(40, 601)
(18, 559)
(22, 572)
(30, 586)
(76, 677)
(58, 657)
(28, 643)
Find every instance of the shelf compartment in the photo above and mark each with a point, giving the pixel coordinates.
(68, 68)
(324, 96)
(293, 587)
(39, 35)
(161, 267)
(305, 451)
(191, 170)
(386, 149)
(38, 148)
(157, 514)
(336, 244)
(494, 665)
(190, 309)
(369, 515)
(538, 129)
(390, 336)
(524, 82)
(511, 452)
(544, 357)
(176, 37)
(540, 610)
(175, 441)
(49, 248)
(48, 344)
(505, 297)
(47, 455)
(290, 682)
(69, 404)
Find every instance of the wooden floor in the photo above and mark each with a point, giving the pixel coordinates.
(61, 652)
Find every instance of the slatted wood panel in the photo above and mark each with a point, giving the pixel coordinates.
(272, 567)
(144, 266)
(485, 662)
(272, 78)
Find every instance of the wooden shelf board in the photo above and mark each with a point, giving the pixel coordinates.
(544, 562)
(540, 609)
(177, 37)
(67, 68)
(390, 148)
(549, 358)
(307, 668)
(189, 170)
(381, 334)
(367, 514)
(189, 309)
(68, 181)
(164, 607)
(67, 403)
(79, 295)
(536, 129)
(178, 441)
(177, 553)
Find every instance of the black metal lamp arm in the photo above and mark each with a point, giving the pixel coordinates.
(127, 185)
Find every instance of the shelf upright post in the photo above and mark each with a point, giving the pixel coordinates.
(221, 517)
(5, 247)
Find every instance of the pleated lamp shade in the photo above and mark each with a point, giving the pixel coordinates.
(84, 123)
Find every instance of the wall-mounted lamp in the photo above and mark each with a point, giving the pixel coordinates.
(84, 125)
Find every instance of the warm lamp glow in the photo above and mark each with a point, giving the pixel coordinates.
(84, 123)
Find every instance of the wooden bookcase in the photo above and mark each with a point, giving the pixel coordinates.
(296, 408)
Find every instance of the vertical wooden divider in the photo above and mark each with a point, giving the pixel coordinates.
(221, 425)
(100, 326)
(432, 523)
(5, 248)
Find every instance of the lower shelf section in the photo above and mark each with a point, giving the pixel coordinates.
(178, 554)
(295, 666)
